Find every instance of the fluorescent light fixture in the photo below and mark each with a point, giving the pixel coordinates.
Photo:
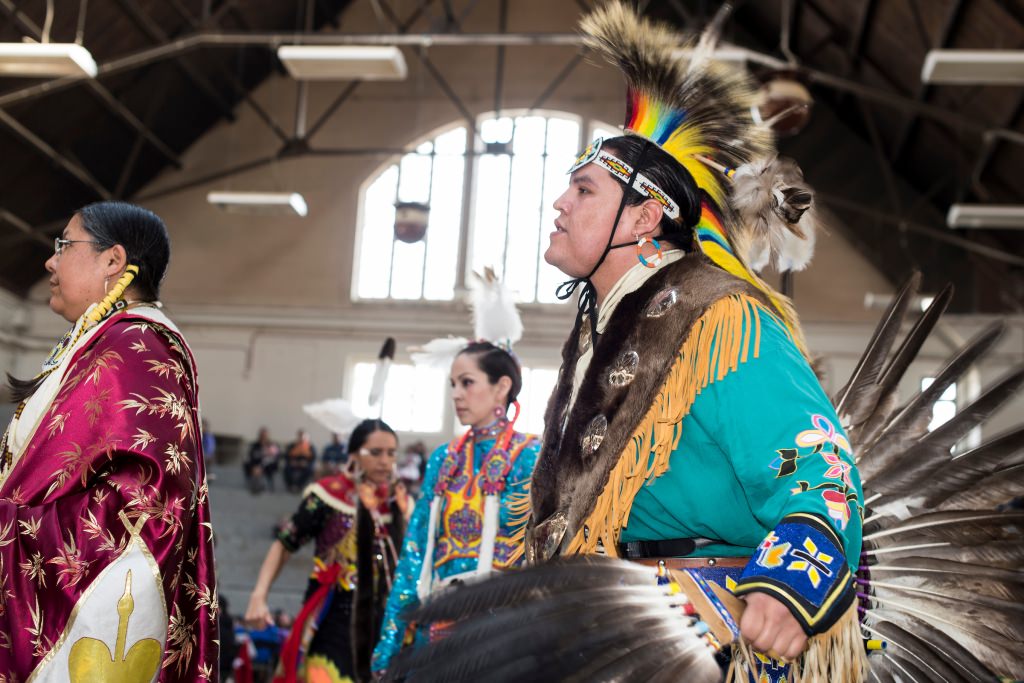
(986, 216)
(38, 60)
(265, 203)
(343, 62)
(999, 67)
(730, 54)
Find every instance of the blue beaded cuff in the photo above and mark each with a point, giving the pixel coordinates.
(802, 564)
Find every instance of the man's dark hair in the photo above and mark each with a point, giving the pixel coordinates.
(668, 174)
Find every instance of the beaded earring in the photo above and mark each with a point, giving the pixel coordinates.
(653, 262)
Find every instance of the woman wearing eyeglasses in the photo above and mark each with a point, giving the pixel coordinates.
(357, 519)
(105, 537)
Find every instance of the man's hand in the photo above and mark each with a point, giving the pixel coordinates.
(770, 628)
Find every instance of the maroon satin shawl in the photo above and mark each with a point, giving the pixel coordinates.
(121, 435)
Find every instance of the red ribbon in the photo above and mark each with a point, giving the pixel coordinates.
(326, 576)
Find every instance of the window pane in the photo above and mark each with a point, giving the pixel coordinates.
(490, 212)
(524, 223)
(432, 175)
(414, 185)
(452, 142)
(562, 146)
(377, 236)
(563, 141)
(413, 396)
(407, 280)
(443, 227)
(538, 383)
(496, 130)
(944, 408)
(942, 412)
(528, 137)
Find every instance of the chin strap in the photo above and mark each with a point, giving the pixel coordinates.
(587, 303)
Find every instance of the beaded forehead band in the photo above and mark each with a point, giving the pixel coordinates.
(593, 154)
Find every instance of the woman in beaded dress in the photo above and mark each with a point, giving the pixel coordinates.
(472, 517)
(357, 519)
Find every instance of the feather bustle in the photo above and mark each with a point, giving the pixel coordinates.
(857, 399)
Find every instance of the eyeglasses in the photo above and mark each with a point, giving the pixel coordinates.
(59, 243)
(377, 452)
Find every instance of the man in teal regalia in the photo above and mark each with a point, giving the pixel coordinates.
(687, 425)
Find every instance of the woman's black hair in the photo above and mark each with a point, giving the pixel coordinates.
(363, 431)
(142, 234)
(144, 237)
(668, 174)
(496, 363)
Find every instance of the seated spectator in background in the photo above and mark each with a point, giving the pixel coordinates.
(298, 463)
(266, 645)
(334, 456)
(261, 465)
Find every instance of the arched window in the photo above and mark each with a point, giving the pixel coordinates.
(518, 169)
(388, 269)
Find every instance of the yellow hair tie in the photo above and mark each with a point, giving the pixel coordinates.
(104, 307)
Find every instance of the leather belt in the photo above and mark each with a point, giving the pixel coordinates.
(694, 562)
(672, 547)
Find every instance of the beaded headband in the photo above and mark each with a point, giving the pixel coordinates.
(593, 154)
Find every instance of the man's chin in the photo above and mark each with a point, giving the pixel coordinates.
(553, 258)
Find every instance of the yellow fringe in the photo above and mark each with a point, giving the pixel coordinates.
(520, 507)
(720, 340)
(833, 656)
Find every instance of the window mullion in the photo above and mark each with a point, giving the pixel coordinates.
(540, 212)
(391, 269)
(467, 206)
(426, 234)
(508, 202)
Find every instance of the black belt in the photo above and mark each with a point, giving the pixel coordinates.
(672, 547)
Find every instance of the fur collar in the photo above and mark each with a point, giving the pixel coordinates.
(631, 362)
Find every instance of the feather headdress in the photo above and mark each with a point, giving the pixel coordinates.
(699, 112)
(690, 108)
(495, 319)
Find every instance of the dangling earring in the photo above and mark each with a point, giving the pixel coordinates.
(499, 412)
(655, 261)
(106, 284)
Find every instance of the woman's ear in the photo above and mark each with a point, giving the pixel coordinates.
(504, 387)
(117, 261)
